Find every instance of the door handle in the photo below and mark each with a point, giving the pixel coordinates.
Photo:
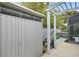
(20, 43)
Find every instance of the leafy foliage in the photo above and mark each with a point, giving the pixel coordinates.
(36, 6)
(65, 18)
(41, 6)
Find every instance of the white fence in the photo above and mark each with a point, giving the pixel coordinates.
(45, 33)
(62, 34)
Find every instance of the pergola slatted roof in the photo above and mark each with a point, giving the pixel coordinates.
(60, 7)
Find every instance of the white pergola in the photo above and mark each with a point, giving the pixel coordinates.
(58, 8)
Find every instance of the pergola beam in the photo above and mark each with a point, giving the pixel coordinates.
(75, 4)
(62, 7)
(59, 9)
(70, 4)
(57, 5)
(66, 6)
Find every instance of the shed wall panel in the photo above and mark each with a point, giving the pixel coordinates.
(40, 39)
(26, 37)
(37, 41)
(34, 37)
(3, 17)
(30, 24)
(17, 36)
(13, 36)
(21, 37)
(0, 33)
(9, 40)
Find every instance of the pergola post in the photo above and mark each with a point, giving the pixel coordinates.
(54, 30)
(48, 31)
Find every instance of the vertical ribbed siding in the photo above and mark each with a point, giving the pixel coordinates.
(41, 39)
(19, 41)
(20, 37)
(33, 48)
(13, 36)
(9, 35)
(36, 40)
(0, 33)
(26, 37)
(4, 40)
(29, 38)
(17, 36)
(23, 37)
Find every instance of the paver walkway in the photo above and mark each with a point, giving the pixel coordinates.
(64, 50)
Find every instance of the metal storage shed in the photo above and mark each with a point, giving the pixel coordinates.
(20, 31)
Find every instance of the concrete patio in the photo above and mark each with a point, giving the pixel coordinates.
(64, 50)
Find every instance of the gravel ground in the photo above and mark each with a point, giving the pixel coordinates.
(64, 50)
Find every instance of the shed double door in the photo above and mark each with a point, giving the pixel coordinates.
(20, 37)
(14, 36)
